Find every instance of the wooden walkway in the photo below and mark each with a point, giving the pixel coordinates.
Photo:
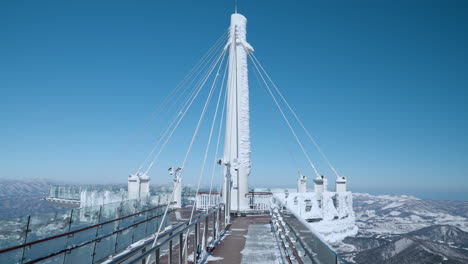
(253, 231)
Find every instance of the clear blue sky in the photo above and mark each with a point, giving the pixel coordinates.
(382, 85)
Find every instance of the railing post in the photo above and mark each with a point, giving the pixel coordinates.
(97, 232)
(181, 247)
(157, 256)
(215, 216)
(206, 228)
(195, 243)
(170, 250)
(25, 238)
(69, 227)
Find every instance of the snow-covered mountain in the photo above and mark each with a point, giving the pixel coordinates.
(25, 197)
(405, 229)
(420, 247)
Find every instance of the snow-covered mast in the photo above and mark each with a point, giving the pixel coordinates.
(237, 135)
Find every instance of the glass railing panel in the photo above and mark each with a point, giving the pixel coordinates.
(80, 255)
(139, 232)
(106, 229)
(47, 225)
(44, 248)
(110, 212)
(57, 259)
(13, 256)
(152, 226)
(82, 218)
(124, 239)
(13, 231)
(105, 247)
(127, 208)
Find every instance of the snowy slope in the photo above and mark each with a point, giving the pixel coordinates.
(405, 229)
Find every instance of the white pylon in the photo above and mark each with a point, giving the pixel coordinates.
(237, 136)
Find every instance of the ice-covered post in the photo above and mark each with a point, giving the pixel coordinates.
(302, 184)
(177, 187)
(341, 184)
(237, 135)
(318, 185)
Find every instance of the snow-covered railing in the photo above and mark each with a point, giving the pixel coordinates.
(290, 230)
(260, 201)
(207, 200)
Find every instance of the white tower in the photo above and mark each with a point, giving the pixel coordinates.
(138, 186)
(341, 184)
(302, 184)
(237, 138)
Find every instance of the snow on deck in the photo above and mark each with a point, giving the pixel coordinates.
(260, 246)
(249, 240)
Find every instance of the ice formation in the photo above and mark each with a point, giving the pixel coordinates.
(328, 213)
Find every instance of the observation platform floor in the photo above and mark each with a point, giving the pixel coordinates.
(248, 240)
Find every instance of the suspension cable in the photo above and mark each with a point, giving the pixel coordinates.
(287, 121)
(183, 106)
(190, 147)
(207, 146)
(183, 114)
(219, 132)
(297, 118)
(178, 116)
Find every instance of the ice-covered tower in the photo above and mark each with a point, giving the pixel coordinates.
(341, 184)
(138, 186)
(237, 134)
(302, 184)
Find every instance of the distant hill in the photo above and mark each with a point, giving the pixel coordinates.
(420, 247)
(25, 197)
(404, 229)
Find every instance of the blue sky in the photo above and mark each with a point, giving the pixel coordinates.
(380, 84)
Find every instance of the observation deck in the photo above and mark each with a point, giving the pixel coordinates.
(124, 233)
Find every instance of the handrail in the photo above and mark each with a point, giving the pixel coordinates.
(119, 259)
(171, 237)
(75, 231)
(94, 240)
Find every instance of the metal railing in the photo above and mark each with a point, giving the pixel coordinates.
(207, 200)
(299, 243)
(202, 235)
(260, 201)
(85, 235)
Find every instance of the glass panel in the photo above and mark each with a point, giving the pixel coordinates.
(124, 239)
(50, 224)
(82, 218)
(152, 226)
(105, 247)
(139, 232)
(109, 212)
(13, 231)
(107, 228)
(13, 256)
(58, 259)
(45, 248)
(128, 208)
(80, 255)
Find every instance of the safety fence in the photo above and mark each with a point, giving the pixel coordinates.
(84, 235)
(299, 244)
(189, 242)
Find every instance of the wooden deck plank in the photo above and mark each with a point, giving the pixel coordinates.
(229, 249)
